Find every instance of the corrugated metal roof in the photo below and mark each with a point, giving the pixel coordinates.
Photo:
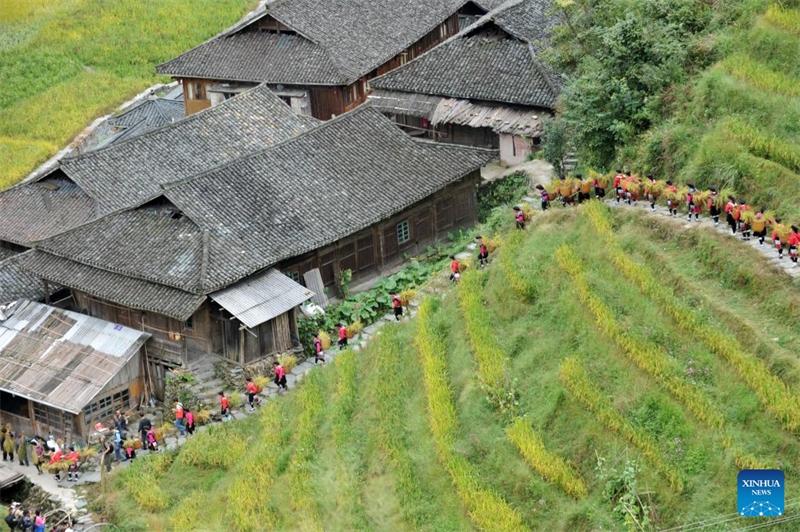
(61, 358)
(262, 297)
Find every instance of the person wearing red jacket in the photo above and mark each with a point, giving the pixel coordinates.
(280, 376)
(794, 241)
(519, 217)
(397, 306)
(618, 184)
(72, 457)
(224, 407)
(342, 343)
(319, 354)
(483, 252)
(730, 207)
(252, 391)
(455, 267)
(691, 207)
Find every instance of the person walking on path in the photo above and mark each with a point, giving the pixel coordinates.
(280, 375)
(37, 455)
(713, 210)
(8, 446)
(107, 449)
(22, 451)
(319, 354)
(730, 207)
(455, 268)
(150, 438)
(545, 197)
(342, 343)
(144, 425)
(179, 421)
(397, 305)
(483, 252)
(189, 416)
(740, 218)
(224, 406)
(794, 241)
(519, 217)
(252, 392)
(73, 458)
(618, 184)
(759, 226)
(778, 230)
(650, 192)
(672, 203)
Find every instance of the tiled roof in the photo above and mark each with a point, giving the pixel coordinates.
(127, 291)
(153, 113)
(531, 20)
(258, 56)
(249, 214)
(37, 210)
(60, 358)
(16, 283)
(478, 68)
(345, 39)
(129, 173)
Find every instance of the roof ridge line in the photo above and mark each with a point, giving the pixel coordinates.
(542, 72)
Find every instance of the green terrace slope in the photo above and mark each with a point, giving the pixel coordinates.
(737, 124)
(65, 62)
(597, 340)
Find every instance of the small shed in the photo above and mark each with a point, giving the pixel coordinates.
(61, 371)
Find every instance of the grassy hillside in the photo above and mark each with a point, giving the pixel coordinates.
(606, 372)
(66, 62)
(737, 124)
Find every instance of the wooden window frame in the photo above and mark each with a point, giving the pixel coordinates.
(403, 231)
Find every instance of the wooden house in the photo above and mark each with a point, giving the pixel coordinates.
(484, 87)
(318, 55)
(196, 263)
(61, 371)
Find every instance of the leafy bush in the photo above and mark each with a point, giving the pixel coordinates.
(501, 192)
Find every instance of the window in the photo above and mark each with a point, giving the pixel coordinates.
(189, 324)
(351, 94)
(105, 407)
(293, 275)
(49, 416)
(403, 232)
(198, 91)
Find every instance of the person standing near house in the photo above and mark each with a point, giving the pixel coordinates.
(179, 418)
(73, 458)
(22, 451)
(8, 446)
(319, 354)
(252, 391)
(224, 406)
(118, 446)
(280, 374)
(144, 425)
(519, 217)
(121, 422)
(37, 455)
(107, 449)
(483, 252)
(342, 343)
(189, 416)
(730, 207)
(397, 306)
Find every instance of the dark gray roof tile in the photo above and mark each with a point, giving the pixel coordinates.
(344, 40)
(129, 173)
(133, 293)
(16, 283)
